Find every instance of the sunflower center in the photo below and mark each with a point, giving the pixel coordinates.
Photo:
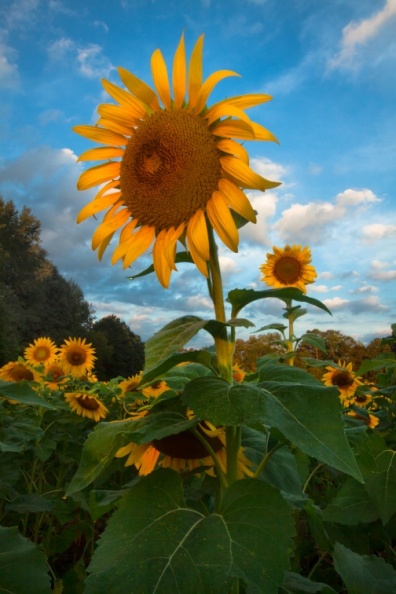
(54, 373)
(170, 169)
(362, 399)
(88, 403)
(287, 270)
(41, 353)
(186, 446)
(76, 356)
(342, 379)
(19, 372)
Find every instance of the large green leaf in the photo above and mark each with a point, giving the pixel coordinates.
(381, 486)
(102, 444)
(364, 574)
(309, 415)
(382, 361)
(154, 543)
(22, 392)
(239, 298)
(351, 505)
(170, 339)
(23, 566)
(202, 357)
(298, 584)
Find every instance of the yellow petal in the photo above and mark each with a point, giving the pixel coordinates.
(179, 73)
(233, 148)
(234, 129)
(197, 235)
(219, 111)
(103, 246)
(246, 101)
(115, 127)
(139, 88)
(160, 261)
(98, 205)
(108, 227)
(195, 72)
(242, 172)
(100, 153)
(209, 85)
(222, 221)
(124, 98)
(125, 116)
(101, 135)
(98, 175)
(160, 77)
(237, 200)
(261, 133)
(141, 241)
(127, 230)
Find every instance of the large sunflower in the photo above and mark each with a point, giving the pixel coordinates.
(42, 350)
(76, 356)
(289, 267)
(172, 165)
(86, 405)
(183, 452)
(344, 378)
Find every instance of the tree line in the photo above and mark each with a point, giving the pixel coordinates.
(36, 300)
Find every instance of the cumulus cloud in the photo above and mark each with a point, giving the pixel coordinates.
(314, 222)
(90, 60)
(9, 73)
(336, 303)
(379, 272)
(358, 34)
(377, 231)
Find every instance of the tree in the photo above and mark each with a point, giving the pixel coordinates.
(248, 351)
(119, 351)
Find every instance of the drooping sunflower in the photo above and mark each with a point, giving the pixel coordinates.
(289, 267)
(42, 351)
(16, 371)
(172, 164)
(54, 376)
(86, 405)
(370, 420)
(183, 452)
(76, 356)
(344, 378)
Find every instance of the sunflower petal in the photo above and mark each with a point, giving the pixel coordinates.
(108, 227)
(209, 85)
(197, 235)
(101, 135)
(132, 248)
(97, 205)
(179, 73)
(237, 200)
(116, 127)
(139, 88)
(225, 110)
(103, 246)
(222, 221)
(233, 148)
(249, 178)
(234, 129)
(100, 153)
(160, 260)
(160, 77)
(124, 98)
(121, 114)
(246, 101)
(98, 175)
(195, 72)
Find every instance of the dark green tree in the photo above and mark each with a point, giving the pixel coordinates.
(119, 351)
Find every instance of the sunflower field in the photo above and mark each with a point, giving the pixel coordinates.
(195, 476)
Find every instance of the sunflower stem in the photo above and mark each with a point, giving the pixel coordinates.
(289, 342)
(233, 437)
(220, 474)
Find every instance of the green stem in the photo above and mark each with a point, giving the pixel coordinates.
(233, 441)
(305, 487)
(266, 458)
(221, 476)
(290, 341)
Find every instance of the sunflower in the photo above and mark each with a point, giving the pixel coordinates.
(172, 164)
(237, 373)
(183, 452)
(41, 351)
(76, 356)
(371, 420)
(289, 267)
(54, 376)
(86, 405)
(344, 378)
(16, 371)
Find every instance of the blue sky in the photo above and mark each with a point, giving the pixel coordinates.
(330, 69)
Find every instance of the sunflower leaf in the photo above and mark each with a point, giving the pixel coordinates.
(168, 547)
(381, 486)
(364, 574)
(170, 339)
(307, 413)
(23, 566)
(202, 357)
(239, 298)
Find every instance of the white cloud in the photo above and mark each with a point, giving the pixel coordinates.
(377, 231)
(379, 272)
(357, 34)
(336, 303)
(90, 61)
(9, 73)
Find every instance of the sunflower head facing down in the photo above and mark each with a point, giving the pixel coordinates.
(172, 166)
(86, 405)
(16, 371)
(344, 378)
(289, 267)
(77, 357)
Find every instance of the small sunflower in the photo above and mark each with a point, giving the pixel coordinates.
(76, 356)
(54, 376)
(183, 452)
(370, 420)
(289, 267)
(16, 371)
(42, 351)
(86, 405)
(171, 169)
(344, 378)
